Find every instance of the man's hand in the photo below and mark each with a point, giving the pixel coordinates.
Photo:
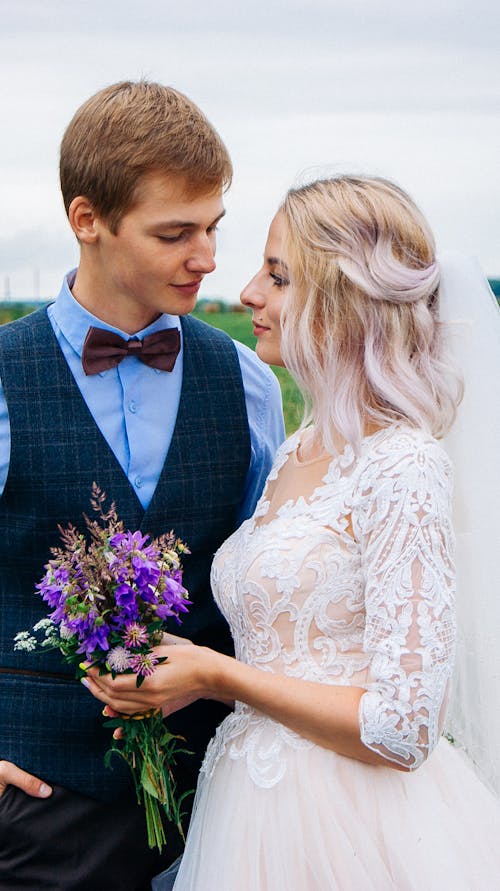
(10, 775)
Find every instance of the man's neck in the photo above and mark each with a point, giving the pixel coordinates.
(91, 292)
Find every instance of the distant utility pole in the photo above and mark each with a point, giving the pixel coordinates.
(6, 287)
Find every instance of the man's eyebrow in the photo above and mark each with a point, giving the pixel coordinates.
(186, 224)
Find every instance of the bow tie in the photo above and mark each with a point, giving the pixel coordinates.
(103, 349)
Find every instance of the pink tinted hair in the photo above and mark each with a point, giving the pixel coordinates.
(361, 329)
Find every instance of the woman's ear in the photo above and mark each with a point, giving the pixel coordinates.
(83, 219)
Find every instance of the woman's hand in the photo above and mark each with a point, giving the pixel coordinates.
(187, 675)
(176, 704)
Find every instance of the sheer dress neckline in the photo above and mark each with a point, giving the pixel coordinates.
(301, 434)
(304, 481)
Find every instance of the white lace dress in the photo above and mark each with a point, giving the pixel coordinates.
(344, 576)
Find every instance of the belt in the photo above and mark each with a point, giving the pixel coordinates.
(37, 674)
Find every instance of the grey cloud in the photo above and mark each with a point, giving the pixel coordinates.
(37, 248)
(411, 90)
(336, 22)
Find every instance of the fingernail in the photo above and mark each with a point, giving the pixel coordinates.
(44, 791)
(85, 682)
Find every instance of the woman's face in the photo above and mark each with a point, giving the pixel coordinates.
(265, 295)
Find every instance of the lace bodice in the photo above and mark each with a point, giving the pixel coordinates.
(349, 581)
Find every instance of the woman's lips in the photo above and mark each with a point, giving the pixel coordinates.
(258, 329)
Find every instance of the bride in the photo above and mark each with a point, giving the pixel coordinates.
(332, 771)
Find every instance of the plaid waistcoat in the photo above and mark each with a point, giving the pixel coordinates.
(53, 727)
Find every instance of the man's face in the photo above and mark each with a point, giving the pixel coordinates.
(164, 247)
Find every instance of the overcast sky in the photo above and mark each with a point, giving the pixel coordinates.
(408, 91)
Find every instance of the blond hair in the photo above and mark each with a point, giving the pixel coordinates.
(128, 130)
(361, 329)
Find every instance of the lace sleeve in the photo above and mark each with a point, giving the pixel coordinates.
(404, 523)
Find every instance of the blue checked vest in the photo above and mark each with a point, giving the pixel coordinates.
(52, 726)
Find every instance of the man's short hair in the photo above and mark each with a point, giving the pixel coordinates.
(130, 129)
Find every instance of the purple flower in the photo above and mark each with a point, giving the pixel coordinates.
(128, 541)
(53, 584)
(146, 571)
(125, 596)
(144, 664)
(174, 588)
(135, 635)
(107, 588)
(174, 599)
(93, 638)
(119, 570)
(164, 610)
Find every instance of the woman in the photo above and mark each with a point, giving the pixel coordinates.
(340, 590)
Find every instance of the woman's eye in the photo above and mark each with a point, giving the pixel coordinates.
(278, 280)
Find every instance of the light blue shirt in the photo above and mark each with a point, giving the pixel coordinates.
(135, 406)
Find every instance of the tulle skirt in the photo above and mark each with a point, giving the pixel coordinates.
(333, 823)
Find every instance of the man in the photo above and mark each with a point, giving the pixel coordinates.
(188, 449)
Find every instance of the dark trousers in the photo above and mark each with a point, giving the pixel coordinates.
(72, 843)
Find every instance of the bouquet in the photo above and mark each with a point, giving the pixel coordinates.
(110, 594)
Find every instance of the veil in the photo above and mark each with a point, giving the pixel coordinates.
(474, 447)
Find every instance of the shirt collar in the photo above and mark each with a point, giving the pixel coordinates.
(74, 320)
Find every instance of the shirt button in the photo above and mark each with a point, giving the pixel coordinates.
(132, 407)
(138, 481)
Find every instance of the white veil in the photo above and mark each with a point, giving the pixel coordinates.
(474, 447)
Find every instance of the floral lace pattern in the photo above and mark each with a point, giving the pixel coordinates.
(352, 583)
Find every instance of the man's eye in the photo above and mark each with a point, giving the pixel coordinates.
(171, 238)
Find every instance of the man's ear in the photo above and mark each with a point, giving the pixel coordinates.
(83, 220)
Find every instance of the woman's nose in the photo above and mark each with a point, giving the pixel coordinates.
(251, 294)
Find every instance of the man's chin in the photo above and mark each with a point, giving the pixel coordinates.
(182, 306)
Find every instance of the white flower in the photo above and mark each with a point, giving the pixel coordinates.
(43, 625)
(118, 659)
(24, 641)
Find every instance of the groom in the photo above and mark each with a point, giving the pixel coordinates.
(186, 446)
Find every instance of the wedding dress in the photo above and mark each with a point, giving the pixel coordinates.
(345, 575)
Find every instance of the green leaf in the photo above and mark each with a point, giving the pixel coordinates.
(114, 723)
(147, 782)
(131, 728)
(108, 756)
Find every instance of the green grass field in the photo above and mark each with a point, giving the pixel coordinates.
(239, 327)
(9, 313)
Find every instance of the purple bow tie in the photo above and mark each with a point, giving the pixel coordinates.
(103, 349)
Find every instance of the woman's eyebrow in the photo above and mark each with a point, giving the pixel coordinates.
(275, 261)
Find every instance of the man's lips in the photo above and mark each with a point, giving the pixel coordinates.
(189, 288)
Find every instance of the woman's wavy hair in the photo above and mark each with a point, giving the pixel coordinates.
(361, 329)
